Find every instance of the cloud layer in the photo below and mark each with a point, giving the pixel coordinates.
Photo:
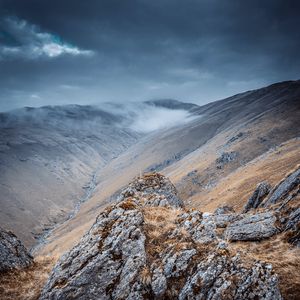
(193, 50)
(144, 118)
(24, 40)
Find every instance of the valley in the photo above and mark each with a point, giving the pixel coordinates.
(65, 168)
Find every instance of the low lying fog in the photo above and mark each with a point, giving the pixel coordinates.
(139, 117)
(142, 117)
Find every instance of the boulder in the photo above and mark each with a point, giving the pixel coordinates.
(283, 188)
(13, 254)
(261, 191)
(252, 227)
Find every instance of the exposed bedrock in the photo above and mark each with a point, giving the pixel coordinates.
(148, 246)
(13, 254)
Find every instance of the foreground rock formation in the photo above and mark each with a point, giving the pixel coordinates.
(13, 255)
(148, 246)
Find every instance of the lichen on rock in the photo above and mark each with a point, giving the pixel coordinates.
(148, 246)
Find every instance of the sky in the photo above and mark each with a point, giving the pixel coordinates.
(93, 51)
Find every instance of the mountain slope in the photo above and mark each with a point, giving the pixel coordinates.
(50, 157)
(47, 155)
(225, 137)
(227, 228)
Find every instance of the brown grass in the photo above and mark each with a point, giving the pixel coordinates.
(159, 222)
(128, 205)
(283, 256)
(26, 284)
(145, 276)
(235, 188)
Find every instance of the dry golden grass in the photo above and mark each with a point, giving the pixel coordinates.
(159, 223)
(235, 188)
(128, 205)
(26, 284)
(145, 276)
(283, 256)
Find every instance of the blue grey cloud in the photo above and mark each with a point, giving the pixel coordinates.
(21, 39)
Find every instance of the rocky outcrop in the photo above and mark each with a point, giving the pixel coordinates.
(154, 188)
(225, 158)
(261, 191)
(219, 277)
(13, 255)
(252, 227)
(148, 246)
(284, 188)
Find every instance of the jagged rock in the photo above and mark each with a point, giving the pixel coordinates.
(222, 277)
(225, 158)
(13, 255)
(106, 262)
(123, 256)
(293, 220)
(261, 191)
(201, 227)
(158, 186)
(283, 188)
(252, 227)
(293, 226)
(174, 263)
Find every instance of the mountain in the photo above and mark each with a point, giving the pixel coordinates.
(232, 208)
(148, 245)
(217, 158)
(50, 156)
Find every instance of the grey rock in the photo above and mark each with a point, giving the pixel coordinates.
(225, 158)
(106, 261)
(13, 255)
(201, 227)
(153, 184)
(261, 191)
(116, 260)
(252, 227)
(175, 263)
(159, 282)
(293, 220)
(283, 188)
(293, 225)
(222, 220)
(221, 277)
(224, 210)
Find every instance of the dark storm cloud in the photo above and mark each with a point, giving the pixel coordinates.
(192, 50)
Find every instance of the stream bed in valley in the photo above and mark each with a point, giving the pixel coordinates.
(89, 189)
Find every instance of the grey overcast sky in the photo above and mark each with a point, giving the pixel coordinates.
(91, 51)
